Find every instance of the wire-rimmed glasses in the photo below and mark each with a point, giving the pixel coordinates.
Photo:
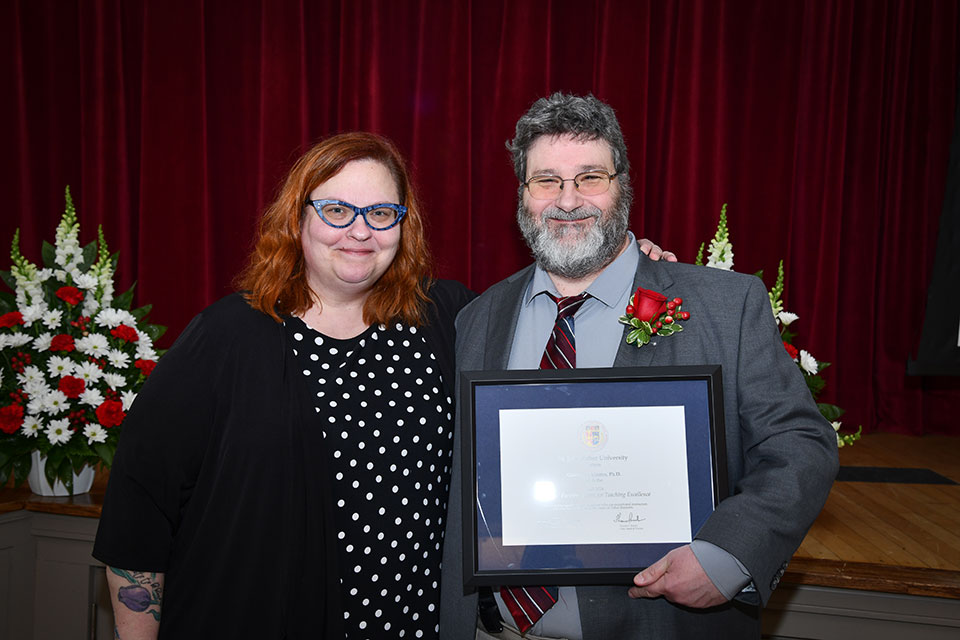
(588, 183)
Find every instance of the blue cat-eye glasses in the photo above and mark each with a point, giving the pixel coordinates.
(340, 214)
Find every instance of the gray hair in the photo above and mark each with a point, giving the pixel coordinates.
(583, 117)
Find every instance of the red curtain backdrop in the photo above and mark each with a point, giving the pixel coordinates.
(824, 124)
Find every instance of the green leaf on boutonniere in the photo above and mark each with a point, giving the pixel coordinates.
(665, 330)
(633, 335)
(647, 327)
(644, 337)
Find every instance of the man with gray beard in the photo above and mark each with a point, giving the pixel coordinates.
(573, 209)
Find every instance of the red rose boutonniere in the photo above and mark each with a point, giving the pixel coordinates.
(650, 314)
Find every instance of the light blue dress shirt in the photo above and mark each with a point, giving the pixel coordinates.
(598, 335)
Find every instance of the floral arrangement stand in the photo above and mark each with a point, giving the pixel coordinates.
(72, 358)
(720, 256)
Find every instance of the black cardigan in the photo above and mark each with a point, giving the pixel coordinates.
(212, 483)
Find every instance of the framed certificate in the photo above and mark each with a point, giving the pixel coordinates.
(586, 476)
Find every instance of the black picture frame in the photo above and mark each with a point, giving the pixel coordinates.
(698, 390)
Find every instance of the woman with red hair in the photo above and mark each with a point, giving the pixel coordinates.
(284, 472)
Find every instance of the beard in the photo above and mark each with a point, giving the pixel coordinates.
(569, 251)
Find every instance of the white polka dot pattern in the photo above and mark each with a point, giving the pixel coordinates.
(388, 428)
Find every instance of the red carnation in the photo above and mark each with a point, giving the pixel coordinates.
(792, 350)
(62, 342)
(11, 319)
(11, 418)
(125, 333)
(70, 295)
(110, 413)
(145, 366)
(72, 387)
(648, 305)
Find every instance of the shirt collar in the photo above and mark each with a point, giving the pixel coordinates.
(609, 286)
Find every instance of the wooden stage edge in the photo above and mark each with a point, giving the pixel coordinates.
(890, 537)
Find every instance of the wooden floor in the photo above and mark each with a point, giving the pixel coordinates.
(890, 537)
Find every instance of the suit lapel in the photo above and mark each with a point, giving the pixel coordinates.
(503, 321)
(653, 276)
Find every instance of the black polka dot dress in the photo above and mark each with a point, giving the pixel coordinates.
(387, 426)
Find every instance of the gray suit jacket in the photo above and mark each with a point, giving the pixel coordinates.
(781, 454)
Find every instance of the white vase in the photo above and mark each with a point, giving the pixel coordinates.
(39, 484)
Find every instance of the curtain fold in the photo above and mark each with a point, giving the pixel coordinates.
(825, 126)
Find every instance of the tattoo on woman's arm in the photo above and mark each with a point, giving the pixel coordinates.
(143, 595)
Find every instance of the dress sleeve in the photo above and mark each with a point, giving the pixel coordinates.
(163, 443)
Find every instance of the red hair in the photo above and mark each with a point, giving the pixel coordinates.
(275, 278)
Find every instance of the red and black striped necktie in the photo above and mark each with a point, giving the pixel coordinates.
(561, 349)
(528, 604)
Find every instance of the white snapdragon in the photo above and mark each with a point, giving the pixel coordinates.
(118, 359)
(95, 345)
(67, 242)
(67, 256)
(42, 341)
(836, 429)
(87, 371)
(31, 426)
(52, 318)
(95, 433)
(44, 274)
(92, 397)
(58, 366)
(55, 402)
(720, 256)
(58, 431)
(28, 293)
(115, 380)
(808, 363)
(127, 398)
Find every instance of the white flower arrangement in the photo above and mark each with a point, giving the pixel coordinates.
(720, 256)
(72, 357)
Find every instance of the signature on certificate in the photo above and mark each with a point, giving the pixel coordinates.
(629, 517)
